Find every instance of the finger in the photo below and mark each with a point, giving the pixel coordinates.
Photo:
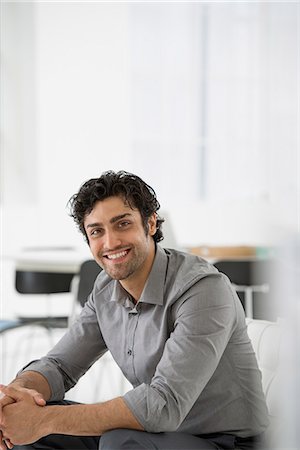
(6, 390)
(9, 444)
(10, 391)
(6, 401)
(37, 396)
(18, 394)
(39, 400)
(2, 442)
(1, 438)
(5, 442)
(2, 395)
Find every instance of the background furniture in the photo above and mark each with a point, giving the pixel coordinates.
(32, 282)
(39, 282)
(83, 284)
(30, 340)
(34, 328)
(267, 340)
(252, 280)
(51, 283)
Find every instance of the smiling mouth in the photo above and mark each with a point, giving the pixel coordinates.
(119, 255)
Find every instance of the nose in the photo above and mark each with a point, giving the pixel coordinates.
(111, 240)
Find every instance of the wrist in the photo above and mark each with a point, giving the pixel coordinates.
(17, 383)
(34, 381)
(49, 416)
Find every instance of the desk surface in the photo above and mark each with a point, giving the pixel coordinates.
(69, 259)
(51, 259)
(237, 253)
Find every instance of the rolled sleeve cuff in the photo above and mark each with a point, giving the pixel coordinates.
(52, 375)
(147, 406)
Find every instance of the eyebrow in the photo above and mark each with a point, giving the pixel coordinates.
(112, 220)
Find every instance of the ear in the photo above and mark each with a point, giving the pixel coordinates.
(152, 224)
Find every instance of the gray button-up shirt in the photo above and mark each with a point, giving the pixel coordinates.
(184, 347)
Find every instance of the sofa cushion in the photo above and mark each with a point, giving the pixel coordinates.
(267, 339)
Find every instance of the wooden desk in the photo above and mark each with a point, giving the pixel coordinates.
(224, 252)
(51, 259)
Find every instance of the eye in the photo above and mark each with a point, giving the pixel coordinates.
(96, 232)
(124, 224)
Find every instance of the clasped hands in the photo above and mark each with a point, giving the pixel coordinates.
(22, 416)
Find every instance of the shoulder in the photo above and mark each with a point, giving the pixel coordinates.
(185, 269)
(191, 276)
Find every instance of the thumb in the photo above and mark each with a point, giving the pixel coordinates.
(38, 398)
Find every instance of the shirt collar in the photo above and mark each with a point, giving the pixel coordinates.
(153, 291)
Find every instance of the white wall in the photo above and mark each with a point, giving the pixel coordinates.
(200, 99)
(146, 87)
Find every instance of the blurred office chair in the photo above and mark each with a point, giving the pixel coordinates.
(89, 270)
(23, 336)
(82, 285)
(248, 277)
(34, 282)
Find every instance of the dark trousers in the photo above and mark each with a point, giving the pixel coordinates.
(123, 439)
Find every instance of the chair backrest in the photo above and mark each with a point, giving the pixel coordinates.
(245, 272)
(42, 282)
(89, 270)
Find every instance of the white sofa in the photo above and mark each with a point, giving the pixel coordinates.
(267, 340)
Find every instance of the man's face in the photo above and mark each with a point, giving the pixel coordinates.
(118, 240)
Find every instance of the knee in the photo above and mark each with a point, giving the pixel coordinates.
(121, 439)
(112, 440)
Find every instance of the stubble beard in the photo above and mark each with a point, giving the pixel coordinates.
(124, 270)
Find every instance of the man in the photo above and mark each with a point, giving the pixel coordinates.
(173, 324)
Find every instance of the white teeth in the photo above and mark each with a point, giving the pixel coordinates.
(117, 255)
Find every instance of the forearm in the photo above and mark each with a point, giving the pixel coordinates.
(89, 420)
(33, 380)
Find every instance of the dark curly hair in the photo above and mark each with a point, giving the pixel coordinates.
(133, 189)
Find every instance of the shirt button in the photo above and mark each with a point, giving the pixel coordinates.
(129, 352)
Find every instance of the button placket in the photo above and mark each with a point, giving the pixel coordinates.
(133, 321)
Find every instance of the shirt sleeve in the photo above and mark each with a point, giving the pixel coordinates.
(73, 355)
(203, 320)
